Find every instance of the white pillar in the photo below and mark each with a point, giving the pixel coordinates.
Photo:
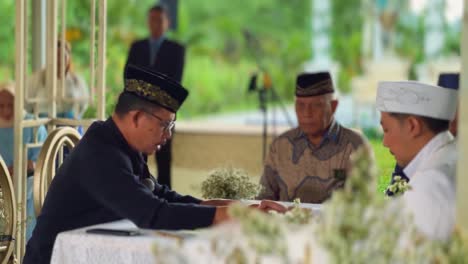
(101, 69)
(51, 56)
(434, 24)
(320, 25)
(462, 177)
(38, 10)
(320, 31)
(19, 163)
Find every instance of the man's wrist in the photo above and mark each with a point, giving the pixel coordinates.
(221, 215)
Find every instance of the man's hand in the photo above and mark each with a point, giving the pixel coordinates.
(218, 202)
(267, 205)
(221, 215)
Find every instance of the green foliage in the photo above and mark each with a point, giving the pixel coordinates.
(385, 164)
(219, 62)
(347, 39)
(410, 30)
(452, 40)
(7, 37)
(219, 58)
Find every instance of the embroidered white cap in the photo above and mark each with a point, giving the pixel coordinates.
(411, 97)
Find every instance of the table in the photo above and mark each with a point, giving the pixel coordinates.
(77, 246)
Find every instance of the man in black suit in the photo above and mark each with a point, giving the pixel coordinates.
(165, 56)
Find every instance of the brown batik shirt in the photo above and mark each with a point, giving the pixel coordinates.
(294, 168)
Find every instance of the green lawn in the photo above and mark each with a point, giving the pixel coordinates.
(385, 163)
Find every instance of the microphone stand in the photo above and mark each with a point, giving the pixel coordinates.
(254, 46)
(262, 98)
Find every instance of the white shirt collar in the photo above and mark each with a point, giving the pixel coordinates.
(437, 141)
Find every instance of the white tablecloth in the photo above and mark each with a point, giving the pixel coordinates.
(314, 207)
(79, 247)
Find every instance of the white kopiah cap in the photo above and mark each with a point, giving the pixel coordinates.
(411, 97)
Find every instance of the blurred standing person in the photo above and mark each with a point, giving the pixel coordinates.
(167, 57)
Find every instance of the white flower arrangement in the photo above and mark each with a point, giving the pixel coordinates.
(357, 225)
(229, 183)
(296, 214)
(360, 226)
(399, 186)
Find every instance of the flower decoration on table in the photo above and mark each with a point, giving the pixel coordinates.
(229, 183)
(399, 186)
(360, 226)
(264, 232)
(296, 214)
(253, 237)
(357, 225)
(258, 237)
(456, 251)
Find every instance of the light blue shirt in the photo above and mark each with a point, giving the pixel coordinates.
(7, 142)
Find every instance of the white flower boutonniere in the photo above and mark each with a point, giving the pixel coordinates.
(399, 186)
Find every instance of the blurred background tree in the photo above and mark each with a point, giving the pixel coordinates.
(219, 61)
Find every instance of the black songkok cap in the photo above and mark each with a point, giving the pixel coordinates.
(154, 87)
(313, 84)
(449, 80)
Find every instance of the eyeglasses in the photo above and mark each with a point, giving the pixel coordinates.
(166, 125)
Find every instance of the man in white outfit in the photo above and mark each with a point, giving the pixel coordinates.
(415, 119)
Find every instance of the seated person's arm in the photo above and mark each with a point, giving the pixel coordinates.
(172, 196)
(111, 182)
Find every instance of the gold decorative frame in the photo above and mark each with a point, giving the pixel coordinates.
(8, 212)
(51, 157)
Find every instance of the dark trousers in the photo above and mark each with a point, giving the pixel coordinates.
(163, 163)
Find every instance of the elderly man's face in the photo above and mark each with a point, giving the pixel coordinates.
(315, 113)
(6, 106)
(152, 129)
(158, 23)
(397, 138)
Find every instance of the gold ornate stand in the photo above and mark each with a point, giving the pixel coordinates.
(50, 158)
(7, 214)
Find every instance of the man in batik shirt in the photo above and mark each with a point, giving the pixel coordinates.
(310, 162)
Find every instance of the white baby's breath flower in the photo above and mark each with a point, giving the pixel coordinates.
(229, 183)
